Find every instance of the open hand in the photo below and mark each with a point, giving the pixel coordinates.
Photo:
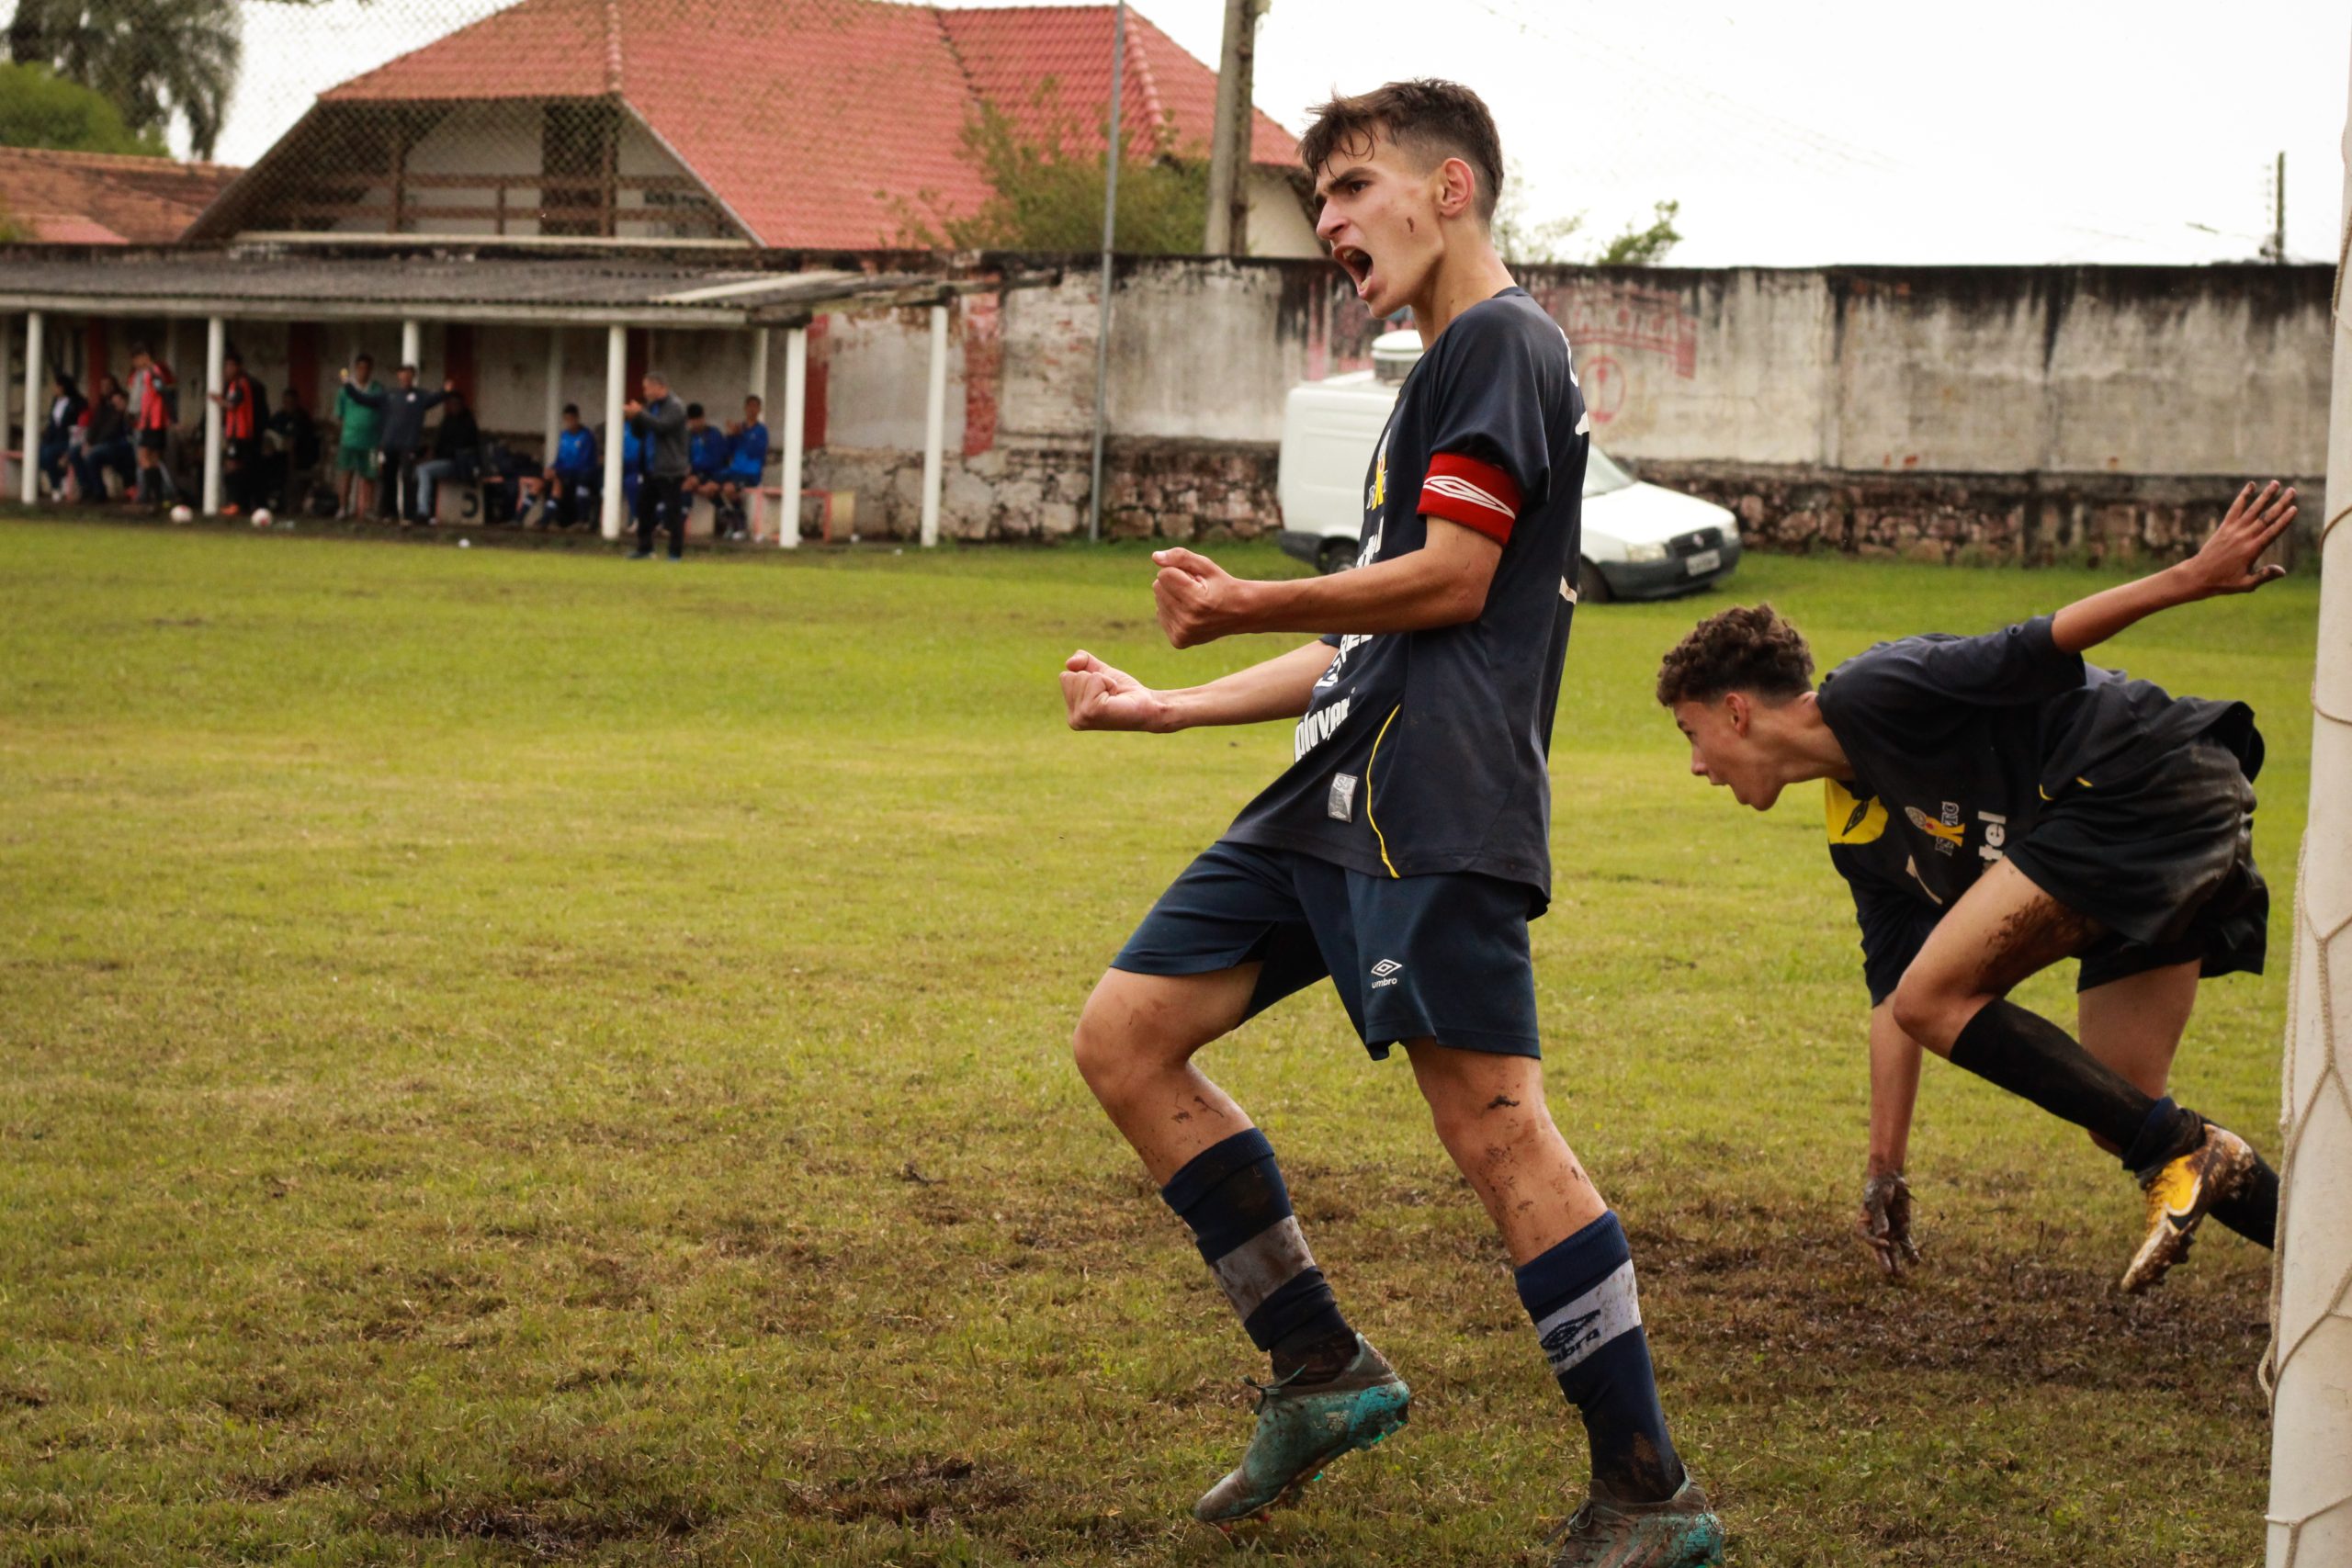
(1099, 697)
(1884, 1223)
(2254, 523)
(1197, 599)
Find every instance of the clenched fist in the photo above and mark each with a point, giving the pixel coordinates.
(1100, 697)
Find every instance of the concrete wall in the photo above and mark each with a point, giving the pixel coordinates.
(2007, 412)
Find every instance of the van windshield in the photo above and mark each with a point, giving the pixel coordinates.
(1601, 476)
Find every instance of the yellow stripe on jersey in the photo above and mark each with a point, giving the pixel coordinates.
(1378, 836)
(1853, 820)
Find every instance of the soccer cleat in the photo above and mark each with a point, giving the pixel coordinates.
(1300, 1430)
(2181, 1192)
(1679, 1532)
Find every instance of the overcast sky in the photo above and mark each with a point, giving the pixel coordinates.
(1798, 132)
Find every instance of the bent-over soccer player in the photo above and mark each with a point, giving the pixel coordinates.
(1997, 805)
(1402, 852)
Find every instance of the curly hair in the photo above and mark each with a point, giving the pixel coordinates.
(1438, 119)
(1745, 649)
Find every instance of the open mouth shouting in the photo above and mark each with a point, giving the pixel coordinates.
(1358, 266)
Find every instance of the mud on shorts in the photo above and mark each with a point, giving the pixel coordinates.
(2163, 860)
(1441, 957)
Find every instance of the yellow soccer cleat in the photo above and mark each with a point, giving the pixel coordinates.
(2180, 1193)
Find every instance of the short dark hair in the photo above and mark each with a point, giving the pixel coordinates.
(366, 360)
(137, 346)
(693, 411)
(755, 398)
(1748, 648)
(1442, 120)
(571, 409)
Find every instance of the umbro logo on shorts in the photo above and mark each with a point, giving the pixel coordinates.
(1385, 973)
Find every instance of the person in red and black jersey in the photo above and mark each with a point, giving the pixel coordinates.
(242, 422)
(1403, 852)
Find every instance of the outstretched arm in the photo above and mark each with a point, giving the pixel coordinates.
(1885, 1220)
(1443, 583)
(1100, 697)
(2225, 565)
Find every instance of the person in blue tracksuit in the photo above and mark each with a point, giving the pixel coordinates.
(748, 458)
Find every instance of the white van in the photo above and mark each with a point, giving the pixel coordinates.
(1640, 541)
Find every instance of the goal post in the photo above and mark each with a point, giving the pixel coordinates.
(2310, 1517)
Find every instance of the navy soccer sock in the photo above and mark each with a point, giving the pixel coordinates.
(1589, 1318)
(1231, 1194)
(2034, 1059)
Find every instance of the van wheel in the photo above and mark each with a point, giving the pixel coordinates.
(1335, 555)
(1591, 587)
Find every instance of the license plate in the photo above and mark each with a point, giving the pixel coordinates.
(1705, 561)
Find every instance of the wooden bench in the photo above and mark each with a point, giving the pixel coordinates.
(836, 504)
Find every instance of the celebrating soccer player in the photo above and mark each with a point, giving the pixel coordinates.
(1404, 849)
(1997, 805)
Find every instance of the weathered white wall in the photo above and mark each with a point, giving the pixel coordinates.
(2057, 373)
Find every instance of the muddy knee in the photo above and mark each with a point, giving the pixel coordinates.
(1932, 1016)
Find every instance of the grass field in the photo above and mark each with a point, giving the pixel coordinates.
(510, 1055)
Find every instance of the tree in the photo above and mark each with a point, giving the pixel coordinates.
(157, 61)
(1519, 238)
(1047, 196)
(36, 109)
(1643, 247)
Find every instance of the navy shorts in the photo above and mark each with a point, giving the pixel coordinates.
(1441, 957)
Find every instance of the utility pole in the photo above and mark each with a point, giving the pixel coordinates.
(1227, 231)
(2278, 212)
(1110, 235)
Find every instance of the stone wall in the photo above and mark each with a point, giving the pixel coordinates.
(2034, 519)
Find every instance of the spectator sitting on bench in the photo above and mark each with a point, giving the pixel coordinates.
(748, 455)
(509, 479)
(105, 444)
(457, 454)
(572, 478)
(707, 457)
(66, 405)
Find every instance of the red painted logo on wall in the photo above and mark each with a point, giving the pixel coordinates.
(1648, 321)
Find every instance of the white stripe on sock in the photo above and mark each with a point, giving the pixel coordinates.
(1572, 1332)
(1263, 1264)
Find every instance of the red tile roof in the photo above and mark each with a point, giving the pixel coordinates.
(827, 124)
(96, 198)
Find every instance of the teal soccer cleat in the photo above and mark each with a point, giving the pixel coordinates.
(1680, 1532)
(1300, 1430)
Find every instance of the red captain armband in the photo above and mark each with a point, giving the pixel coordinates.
(1478, 495)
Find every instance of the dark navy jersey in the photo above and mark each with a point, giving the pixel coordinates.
(1424, 751)
(1958, 744)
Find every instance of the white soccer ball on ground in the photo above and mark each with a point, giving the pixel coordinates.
(182, 515)
(262, 519)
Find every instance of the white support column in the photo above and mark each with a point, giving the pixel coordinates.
(216, 344)
(759, 386)
(2310, 1517)
(554, 393)
(413, 346)
(7, 390)
(616, 373)
(29, 467)
(794, 421)
(934, 427)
